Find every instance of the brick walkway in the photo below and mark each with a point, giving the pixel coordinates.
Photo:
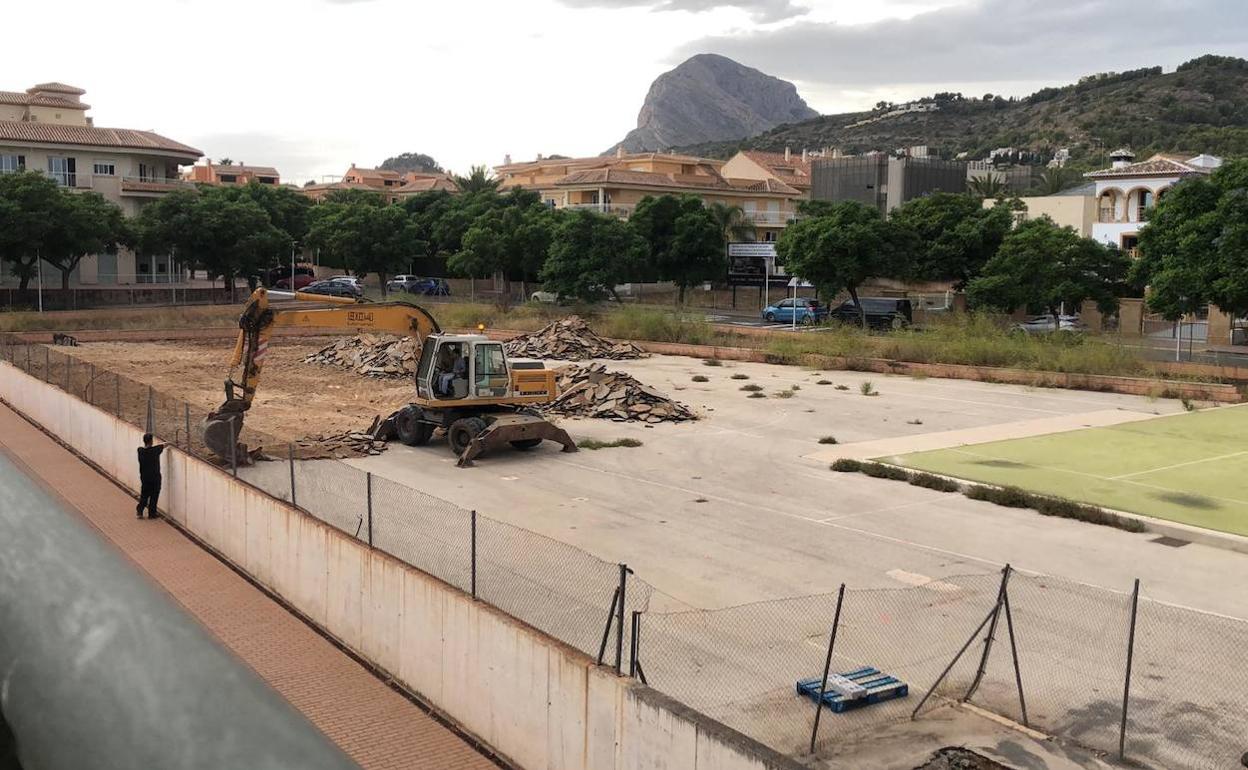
(375, 725)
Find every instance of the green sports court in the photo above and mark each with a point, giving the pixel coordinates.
(1190, 468)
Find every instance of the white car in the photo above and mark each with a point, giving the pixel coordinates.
(351, 279)
(548, 297)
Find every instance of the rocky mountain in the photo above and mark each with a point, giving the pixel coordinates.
(712, 98)
(1200, 107)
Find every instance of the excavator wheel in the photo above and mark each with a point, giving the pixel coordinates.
(411, 430)
(462, 432)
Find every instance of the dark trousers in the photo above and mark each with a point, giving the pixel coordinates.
(149, 491)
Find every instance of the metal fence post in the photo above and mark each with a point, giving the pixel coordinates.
(473, 552)
(69, 362)
(368, 480)
(91, 384)
(28, 358)
(992, 630)
(150, 408)
(47, 364)
(233, 450)
(117, 385)
(1018, 671)
(606, 630)
(827, 666)
(619, 621)
(186, 412)
(290, 456)
(1126, 686)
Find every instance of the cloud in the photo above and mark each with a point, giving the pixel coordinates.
(991, 41)
(764, 11)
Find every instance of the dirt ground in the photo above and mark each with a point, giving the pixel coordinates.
(294, 399)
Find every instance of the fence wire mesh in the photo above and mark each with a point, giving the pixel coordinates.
(1188, 704)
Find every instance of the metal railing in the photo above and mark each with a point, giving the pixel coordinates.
(770, 217)
(160, 181)
(618, 209)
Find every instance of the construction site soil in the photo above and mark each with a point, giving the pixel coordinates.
(295, 399)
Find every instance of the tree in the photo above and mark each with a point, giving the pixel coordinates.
(226, 162)
(686, 243)
(287, 208)
(512, 241)
(411, 161)
(590, 254)
(1195, 248)
(732, 222)
(844, 246)
(955, 235)
(365, 238)
(1042, 265)
(987, 186)
(1053, 180)
(478, 180)
(28, 205)
(86, 224)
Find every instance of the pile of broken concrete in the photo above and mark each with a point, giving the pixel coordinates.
(592, 391)
(371, 355)
(355, 443)
(569, 339)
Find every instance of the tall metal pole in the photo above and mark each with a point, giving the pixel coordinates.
(368, 481)
(186, 412)
(619, 621)
(290, 457)
(39, 262)
(1018, 672)
(1126, 686)
(827, 666)
(233, 450)
(992, 630)
(473, 554)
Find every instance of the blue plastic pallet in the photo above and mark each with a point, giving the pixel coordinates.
(879, 686)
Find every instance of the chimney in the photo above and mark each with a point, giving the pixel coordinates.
(619, 151)
(788, 155)
(207, 161)
(805, 156)
(1121, 157)
(507, 159)
(539, 156)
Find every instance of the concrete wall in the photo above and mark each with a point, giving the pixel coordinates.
(533, 699)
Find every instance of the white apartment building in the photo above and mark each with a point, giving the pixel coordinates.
(1127, 190)
(46, 128)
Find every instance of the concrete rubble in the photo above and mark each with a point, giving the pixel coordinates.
(355, 443)
(371, 355)
(592, 391)
(569, 339)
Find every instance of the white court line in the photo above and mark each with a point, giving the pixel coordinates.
(1179, 465)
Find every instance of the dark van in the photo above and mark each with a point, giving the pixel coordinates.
(881, 312)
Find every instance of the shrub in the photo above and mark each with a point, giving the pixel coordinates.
(751, 387)
(740, 376)
(795, 387)
(712, 362)
(783, 394)
(828, 440)
(842, 387)
(867, 389)
(1010, 497)
(593, 443)
(824, 382)
(846, 465)
(938, 483)
(1013, 497)
(881, 471)
(756, 394)
(914, 422)
(700, 378)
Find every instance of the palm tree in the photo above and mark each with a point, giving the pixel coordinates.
(731, 221)
(478, 180)
(987, 186)
(1053, 180)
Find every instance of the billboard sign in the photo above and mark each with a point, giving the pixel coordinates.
(752, 262)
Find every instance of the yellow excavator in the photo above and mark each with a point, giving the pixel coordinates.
(464, 384)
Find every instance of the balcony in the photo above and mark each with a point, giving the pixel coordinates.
(153, 185)
(615, 209)
(770, 218)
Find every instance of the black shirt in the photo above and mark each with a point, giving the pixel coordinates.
(149, 462)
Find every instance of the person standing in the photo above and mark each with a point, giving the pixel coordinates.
(149, 476)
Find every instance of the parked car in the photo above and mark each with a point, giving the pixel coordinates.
(807, 311)
(301, 281)
(275, 274)
(432, 287)
(351, 279)
(881, 312)
(1042, 324)
(403, 283)
(334, 289)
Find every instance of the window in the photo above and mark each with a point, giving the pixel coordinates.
(227, 178)
(63, 170)
(268, 180)
(104, 168)
(10, 164)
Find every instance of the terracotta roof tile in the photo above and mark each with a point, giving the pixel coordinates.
(91, 136)
(57, 87)
(610, 175)
(19, 98)
(1158, 165)
(776, 160)
(425, 184)
(255, 170)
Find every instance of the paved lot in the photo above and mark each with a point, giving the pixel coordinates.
(730, 509)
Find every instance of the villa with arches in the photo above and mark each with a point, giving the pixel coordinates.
(1127, 191)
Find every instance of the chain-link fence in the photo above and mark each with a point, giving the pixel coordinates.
(1155, 684)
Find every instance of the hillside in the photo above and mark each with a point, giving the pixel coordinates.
(711, 98)
(1201, 107)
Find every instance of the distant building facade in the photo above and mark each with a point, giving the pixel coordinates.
(232, 173)
(882, 181)
(1127, 190)
(46, 129)
(391, 185)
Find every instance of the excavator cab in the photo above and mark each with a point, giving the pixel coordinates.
(461, 366)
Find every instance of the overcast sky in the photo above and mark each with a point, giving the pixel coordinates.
(311, 86)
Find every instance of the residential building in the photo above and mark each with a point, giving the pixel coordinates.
(392, 185)
(882, 181)
(1016, 178)
(232, 173)
(47, 129)
(615, 184)
(1074, 208)
(1127, 190)
(790, 168)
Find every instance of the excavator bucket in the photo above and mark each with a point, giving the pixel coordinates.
(521, 430)
(221, 431)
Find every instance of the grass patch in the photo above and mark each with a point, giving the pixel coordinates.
(751, 387)
(783, 394)
(846, 465)
(795, 387)
(914, 422)
(712, 362)
(756, 394)
(867, 389)
(700, 378)
(881, 471)
(593, 443)
(842, 387)
(828, 440)
(740, 376)
(824, 382)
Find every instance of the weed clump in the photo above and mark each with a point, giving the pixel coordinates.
(846, 465)
(593, 443)
(700, 378)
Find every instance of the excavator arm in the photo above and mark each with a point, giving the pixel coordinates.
(255, 327)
